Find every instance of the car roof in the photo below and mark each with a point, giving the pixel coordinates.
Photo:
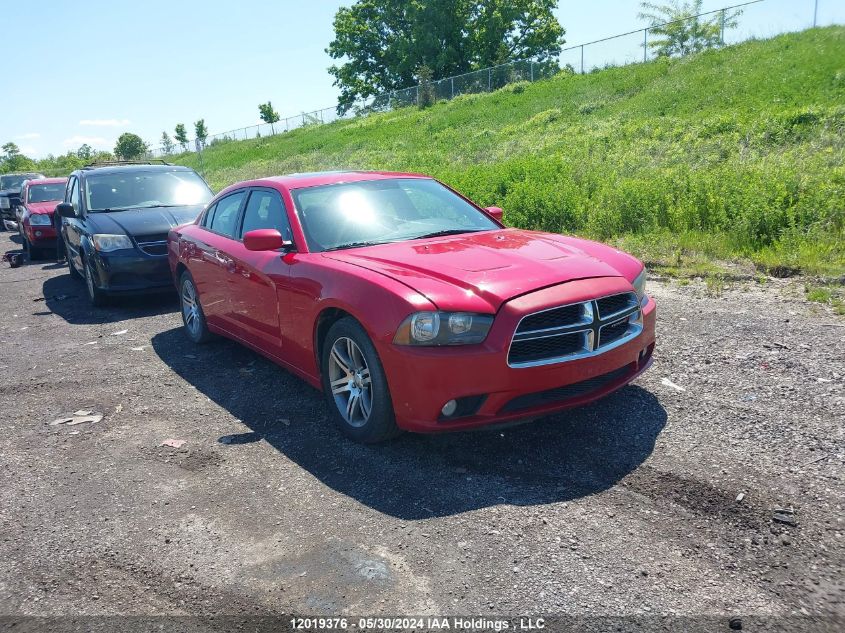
(314, 179)
(120, 169)
(46, 181)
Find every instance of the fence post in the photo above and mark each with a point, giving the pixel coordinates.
(582, 59)
(489, 80)
(645, 45)
(452, 80)
(532, 71)
(815, 12)
(722, 21)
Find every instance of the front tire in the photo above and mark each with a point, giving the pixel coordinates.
(97, 297)
(355, 386)
(193, 318)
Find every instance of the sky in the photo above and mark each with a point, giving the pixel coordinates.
(84, 72)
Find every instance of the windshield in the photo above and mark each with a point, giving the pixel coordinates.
(46, 193)
(380, 211)
(12, 182)
(144, 189)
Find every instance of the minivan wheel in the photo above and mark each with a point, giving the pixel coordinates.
(355, 385)
(192, 315)
(96, 296)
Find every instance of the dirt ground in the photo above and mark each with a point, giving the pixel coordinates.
(628, 506)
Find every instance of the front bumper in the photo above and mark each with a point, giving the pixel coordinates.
(422, 379)
(40, 236)
(131, 272)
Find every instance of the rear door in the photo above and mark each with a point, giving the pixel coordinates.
(209, 260)
(254, 305)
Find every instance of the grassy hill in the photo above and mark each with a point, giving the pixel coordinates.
(730, 155)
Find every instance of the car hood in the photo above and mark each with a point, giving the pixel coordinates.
(141, 222)
(480, 271)
(42, 207)
(10, 193)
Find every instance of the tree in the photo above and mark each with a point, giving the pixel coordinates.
(426, 96)
(10, 151)
(201, 131)
(681, 31)
(166, 143)
(129, 146)
(85, 152)
(268, 114)
(181, 136)
(384, 42)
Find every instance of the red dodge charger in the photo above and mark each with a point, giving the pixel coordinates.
(408, 305)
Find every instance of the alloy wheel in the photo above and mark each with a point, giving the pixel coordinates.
(190, 308)
(349, 377)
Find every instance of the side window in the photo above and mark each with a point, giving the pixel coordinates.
(209, 216)
(73, 198)
(265, 210)
(226, 214)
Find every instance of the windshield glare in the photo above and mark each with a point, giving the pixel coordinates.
(46, 193)
(379, 211)
(138, 190)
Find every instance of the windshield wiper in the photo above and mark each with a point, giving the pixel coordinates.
(353, 245)
(447, 232)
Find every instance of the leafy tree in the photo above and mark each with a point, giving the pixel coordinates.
(130, 146)
(85, 152)
(680, 31)
(268, 115)
(166, 144)
(201, 131)
(181, 136)
(10, 150)
(384, 42)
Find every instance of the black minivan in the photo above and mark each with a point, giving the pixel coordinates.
(114, 222)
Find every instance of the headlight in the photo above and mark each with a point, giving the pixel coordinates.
(106, 243)
(4, 203)
(443, 328)
(40, 219)
(639, 286)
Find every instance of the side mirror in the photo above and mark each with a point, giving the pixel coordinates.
(65, 209)
(265, 240)
(495, 213)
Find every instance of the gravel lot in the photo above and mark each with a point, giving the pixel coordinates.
(628, 506)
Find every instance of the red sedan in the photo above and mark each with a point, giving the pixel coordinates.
(408, 305)
(39, 199)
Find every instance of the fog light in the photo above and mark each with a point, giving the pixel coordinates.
(449, 408)
(38, 234)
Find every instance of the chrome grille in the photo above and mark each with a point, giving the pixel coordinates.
(153, 244)
(575, 330)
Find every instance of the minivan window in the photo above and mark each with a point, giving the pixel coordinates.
(74, 194)
(144, 190)
(226, 216)
(266, 211)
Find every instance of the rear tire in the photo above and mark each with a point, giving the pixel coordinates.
(355, 385)
(193, 317)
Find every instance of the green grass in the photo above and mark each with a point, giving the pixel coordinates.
(828, 295)
(730, 158)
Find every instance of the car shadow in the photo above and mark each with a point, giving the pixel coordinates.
(68, 298)
(563, 457)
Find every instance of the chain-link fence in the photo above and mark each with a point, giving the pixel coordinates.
(753, 19)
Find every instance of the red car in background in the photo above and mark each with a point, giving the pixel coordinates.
(39, 199)
(407, 304)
